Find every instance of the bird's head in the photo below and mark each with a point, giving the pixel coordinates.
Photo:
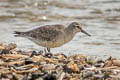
(78, 28)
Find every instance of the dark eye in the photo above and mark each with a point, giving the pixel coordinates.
(78, 26)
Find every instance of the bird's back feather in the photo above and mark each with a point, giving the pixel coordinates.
(17, 33)
(47, 32)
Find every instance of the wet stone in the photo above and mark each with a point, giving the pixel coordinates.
(38, 63)
(25, 76)
(88, 74)
(68, 70)
(49, 55)
(99, 65)
(100, 61)
(50, 77)
(5, 51)
(14, 77)
(37, 76)
(33, 53)
(106, 77)
(28, 61)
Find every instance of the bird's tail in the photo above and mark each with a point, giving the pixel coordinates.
(17, 33)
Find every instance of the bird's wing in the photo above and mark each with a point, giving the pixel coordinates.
(47, 32)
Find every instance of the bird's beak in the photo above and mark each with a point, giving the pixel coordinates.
(85, 32)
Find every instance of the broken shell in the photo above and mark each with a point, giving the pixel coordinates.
(48, 67)
(11, 46)
(116, 63)
(14, 56)
(2, 46)
(75, 68)
(91, 60)
(108, 63)
(90, 68)
(61, 75)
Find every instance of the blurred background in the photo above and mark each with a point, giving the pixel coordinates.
(100, 18)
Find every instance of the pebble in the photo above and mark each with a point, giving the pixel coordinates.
(23, 65)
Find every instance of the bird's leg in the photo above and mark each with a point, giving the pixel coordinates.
(48, 49)
(45, 50)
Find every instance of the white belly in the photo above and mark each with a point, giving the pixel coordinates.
(49, 44)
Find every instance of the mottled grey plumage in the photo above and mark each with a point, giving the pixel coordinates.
(51, 36)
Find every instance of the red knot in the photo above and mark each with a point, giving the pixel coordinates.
(51, 36)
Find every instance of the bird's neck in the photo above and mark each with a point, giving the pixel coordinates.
(70, 31)
(69, 34)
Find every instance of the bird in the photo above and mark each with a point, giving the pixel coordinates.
(52, 36)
